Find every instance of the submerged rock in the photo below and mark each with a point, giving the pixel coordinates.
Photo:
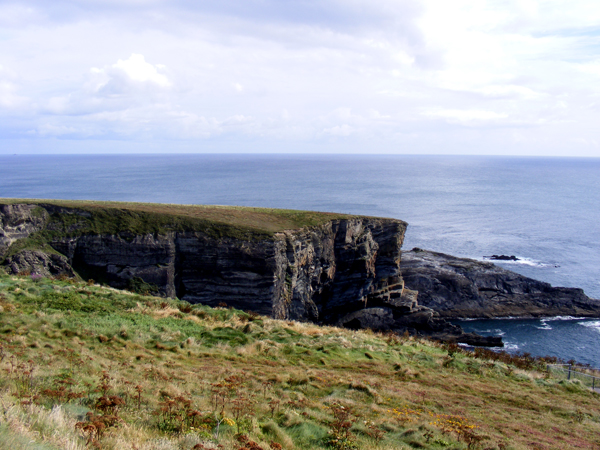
(502, 258)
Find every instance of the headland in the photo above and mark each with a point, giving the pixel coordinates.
(325, 268)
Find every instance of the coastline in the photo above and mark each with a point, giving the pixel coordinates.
(327, 268)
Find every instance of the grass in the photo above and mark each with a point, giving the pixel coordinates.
(72, 217)
(86, 366)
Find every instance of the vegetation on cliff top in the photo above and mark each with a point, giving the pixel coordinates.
(81, 217)
(85, 366)
(70, 218)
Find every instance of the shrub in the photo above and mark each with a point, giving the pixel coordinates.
(139, 286)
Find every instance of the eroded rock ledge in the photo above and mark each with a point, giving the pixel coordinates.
(343, 270)
(462, 287)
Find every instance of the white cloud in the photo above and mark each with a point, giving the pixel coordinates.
(509, 91)
(127, 84)
(591, 68)
(339, 130)
(137, 69)
(126, 76)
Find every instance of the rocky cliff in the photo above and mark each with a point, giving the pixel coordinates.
(325, 268)
(330, 269)
(461, 287)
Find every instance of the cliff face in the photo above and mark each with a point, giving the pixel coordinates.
(19, 222)
(461, 287)
(319, 273)
(315, 274)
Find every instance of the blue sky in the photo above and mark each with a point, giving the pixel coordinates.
(504, 77)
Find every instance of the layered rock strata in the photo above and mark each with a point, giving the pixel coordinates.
(461, 287)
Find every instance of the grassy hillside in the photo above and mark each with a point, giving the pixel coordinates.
(85, 366)
(140, 218)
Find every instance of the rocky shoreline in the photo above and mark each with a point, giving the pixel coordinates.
(348, 271)
(467, 288)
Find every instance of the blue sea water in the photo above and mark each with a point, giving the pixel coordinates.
(564, 337)
(545, 211)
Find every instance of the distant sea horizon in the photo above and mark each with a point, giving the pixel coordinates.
(543, 210)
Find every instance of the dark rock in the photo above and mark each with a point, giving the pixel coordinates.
(345, 272)
(319, 273)
(502, 258)
(460, 287)
(40, 263)
(19, 222)
(472, 339)
(117, 259)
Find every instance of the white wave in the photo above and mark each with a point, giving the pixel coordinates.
(544, 325)
(595, 324)
(502, 318)
(550, 319)
(521, 261)
(510, 347)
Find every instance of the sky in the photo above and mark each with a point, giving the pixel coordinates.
(491, 77)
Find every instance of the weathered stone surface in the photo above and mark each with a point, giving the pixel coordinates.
(460, 287)
(323, 273)
(116, 259)
(19, 222)
(40, 263)
(316, 274)
(237, 272)
(373, 318)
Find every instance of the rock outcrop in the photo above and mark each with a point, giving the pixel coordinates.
(47, 264)
(461, 287)
(19, 222)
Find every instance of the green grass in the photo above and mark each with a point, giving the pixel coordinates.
(287, 378)
(74, 217)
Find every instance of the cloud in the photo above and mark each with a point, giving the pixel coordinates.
(137, 69)
(415, 75)
(127, 84)
(333, 14)
(509, 91)
(339, 130)
(127, 76)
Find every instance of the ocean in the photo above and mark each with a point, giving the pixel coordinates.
(545, 211)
